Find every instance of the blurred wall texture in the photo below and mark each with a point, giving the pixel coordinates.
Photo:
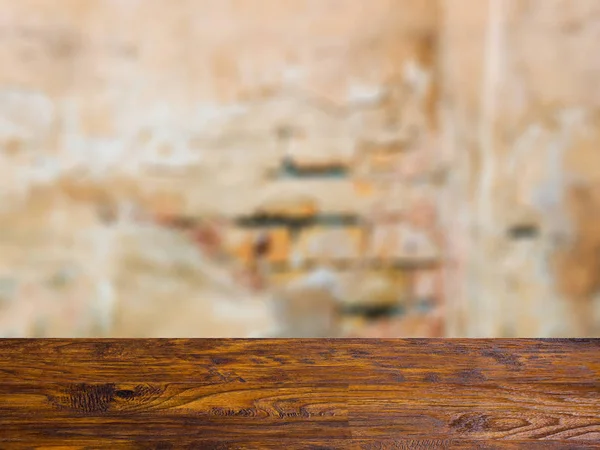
(299, 168)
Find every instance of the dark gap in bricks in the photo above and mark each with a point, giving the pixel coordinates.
(266, 220)
(413, 264)
(523, 231)
(424, 304)
(372, 312)
(289, 168)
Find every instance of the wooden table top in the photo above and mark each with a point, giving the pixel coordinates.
(300, 394)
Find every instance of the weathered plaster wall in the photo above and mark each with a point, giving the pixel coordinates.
(450, 147)
(520, 112)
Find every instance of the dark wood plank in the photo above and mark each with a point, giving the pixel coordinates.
(246, 394)
(384, 361)
(135, 411)
(437, 444)
(479, 411)
(308, 444)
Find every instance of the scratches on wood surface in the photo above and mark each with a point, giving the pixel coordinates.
(243, 394)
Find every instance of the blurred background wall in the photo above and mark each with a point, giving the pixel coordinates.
(299, 168)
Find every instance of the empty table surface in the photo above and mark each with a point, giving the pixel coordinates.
(300, 394)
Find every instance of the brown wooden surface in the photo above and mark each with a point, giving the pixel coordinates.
(300, 394)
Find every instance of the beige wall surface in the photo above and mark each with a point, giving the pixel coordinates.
(428, 168)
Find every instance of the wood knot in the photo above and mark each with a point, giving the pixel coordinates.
(139, 394)
(86, 398)
(125, 394)
(470, 423)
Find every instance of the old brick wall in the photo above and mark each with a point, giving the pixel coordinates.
(438, 157)
(131, 129)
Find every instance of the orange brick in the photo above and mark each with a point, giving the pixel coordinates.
(243, 245)
(238, 244)
(280, 279)
(280, 245)
(364, 188)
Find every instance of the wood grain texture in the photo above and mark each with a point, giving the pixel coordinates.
(300, 394)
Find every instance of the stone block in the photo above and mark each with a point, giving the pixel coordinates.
(305, 197)
(376, 287)
(401, 242)
(336, 245)
(426, 284)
